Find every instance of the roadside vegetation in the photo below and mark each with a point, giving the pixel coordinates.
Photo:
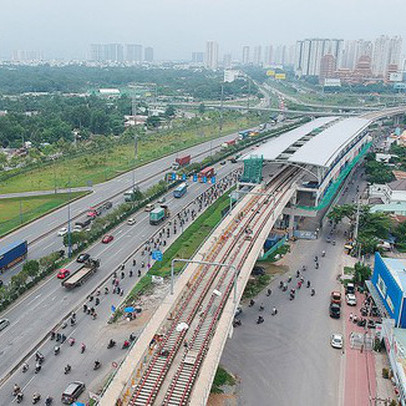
(16, 212)
(221, 379)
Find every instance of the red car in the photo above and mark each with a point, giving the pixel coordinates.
(63, 273)
(107, 238)
(92, 214)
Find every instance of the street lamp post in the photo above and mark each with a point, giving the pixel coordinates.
(192, 261)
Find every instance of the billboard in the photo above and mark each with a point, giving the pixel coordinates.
(270, 73)
(280, 76)
(395, 77)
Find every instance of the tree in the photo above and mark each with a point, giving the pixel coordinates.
(202, 108)
(338, 213)
(153, 122)
(170, 112)
(361, 273)
(31, 268)
(19, 279)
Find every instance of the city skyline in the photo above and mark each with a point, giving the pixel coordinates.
(66, 31)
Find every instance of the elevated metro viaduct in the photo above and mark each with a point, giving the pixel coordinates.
(173, 373)
(326, 150)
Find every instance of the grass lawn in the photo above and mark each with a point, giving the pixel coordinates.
(31, 208)
(107, 164)
(222, 378)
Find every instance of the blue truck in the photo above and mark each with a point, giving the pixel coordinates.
(12, 254)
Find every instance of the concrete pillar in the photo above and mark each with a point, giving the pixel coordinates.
(291, 224)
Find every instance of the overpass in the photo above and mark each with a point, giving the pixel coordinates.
(175, 358)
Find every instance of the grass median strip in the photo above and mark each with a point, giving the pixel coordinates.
(184, 247)
(15, 212)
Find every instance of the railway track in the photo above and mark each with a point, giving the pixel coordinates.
(233, 247)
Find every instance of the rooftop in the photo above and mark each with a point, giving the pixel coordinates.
(397, 208)
(277, 145)
(398, 184)
(397, 267)
(323, 149)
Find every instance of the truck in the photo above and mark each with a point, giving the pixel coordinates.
(244, 134)
(83, 223)
(206, 173)
(227, 144)
(181, 162)
(79, 277)
(12, 254)
(98, 210)
(158, 215)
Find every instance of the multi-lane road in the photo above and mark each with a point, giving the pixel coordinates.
(42, 233)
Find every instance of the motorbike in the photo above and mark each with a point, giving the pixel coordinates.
(237, 322)
(126, 344)
(53, 335)
(260, 320)
(261, 308)
(37, 368)
(252, 302)
(25, 368)
(48, 401)
(323, 254)
(313, 292)
(16, 390)
(36, 397)
(67, 369)
(20, 397)
(39, 357)
(57, 350)
(111, 344)
(82, 348)
(97, 365)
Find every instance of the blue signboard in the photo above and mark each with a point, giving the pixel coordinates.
(173, 176)
(157, 255)
(195, 177)
(184, 176)
(213, 180)
(204, 179)
(113, 308)
(129, 309)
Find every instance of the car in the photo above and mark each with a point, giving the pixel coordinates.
(233, 160)
(162, 200)
(92, 214)
(4, 323)
(149, 207)
(77, 229)
(350, 288)
(83, 258)
(63, 273)
(335, 297)
(351, 299)
(107, 238)
(223, 162)
(337, 340)
(72, 392)
(62, 231)
(131, 221)
(335, 310)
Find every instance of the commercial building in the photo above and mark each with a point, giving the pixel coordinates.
(353, 50)
(21, 55)
(149, 54)
(133, 53)
(268, 55)
(106, 52)
(212, 54)
(245, 55)
(310, 51)
(227, 62)
(327, 67)
(389, 193)
(389, 282)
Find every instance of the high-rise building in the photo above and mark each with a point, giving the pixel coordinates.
(310, 51)
(257, 55)
(113, 52)
(197, 57)
(212, 54)
(245, 55)
(97, 52)
(149, 54)
(327, 67)
(133, 53)
(353, 50)
(227, 61)
(268, 55)
(280, 55)
(387, 51)
(21, 55)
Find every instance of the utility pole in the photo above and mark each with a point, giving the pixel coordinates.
(69, 225)
(221, 108)
(21, 212)
(357, 228)
(134, 112)
(249, 94)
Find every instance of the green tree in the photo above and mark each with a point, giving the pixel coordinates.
(361, 273)
(338, 213)
(153, 122)
(31, 268)
(202, 108)
(170, 112)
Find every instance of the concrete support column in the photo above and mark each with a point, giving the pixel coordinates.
(291, 224)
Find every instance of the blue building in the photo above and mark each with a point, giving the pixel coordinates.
(389, 280)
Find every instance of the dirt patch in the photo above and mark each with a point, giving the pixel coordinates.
(222, 399)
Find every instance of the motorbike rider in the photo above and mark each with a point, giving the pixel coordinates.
(20, 396)
(25, 367)
(16, 389)
(126, 344)
(48, 401)
(97, 364)
(36, 396)
(83, 347)
(313, 292)
(67, 368)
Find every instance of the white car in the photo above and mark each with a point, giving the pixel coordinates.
(4, 323)
(351, 299)
(131, 221)
(337, 340)
(77, 229)
(63, 231)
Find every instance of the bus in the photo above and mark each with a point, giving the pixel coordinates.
(206, 173)
(180, 190)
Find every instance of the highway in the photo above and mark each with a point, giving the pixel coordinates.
(42, 233)
(45, 306)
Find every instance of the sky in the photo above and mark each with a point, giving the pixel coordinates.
(175, 28)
